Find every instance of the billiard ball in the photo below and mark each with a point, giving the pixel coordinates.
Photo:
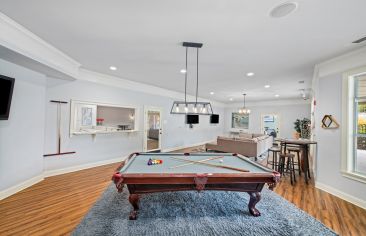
(221, 161)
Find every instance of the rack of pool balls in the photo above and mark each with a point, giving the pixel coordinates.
(154, 162)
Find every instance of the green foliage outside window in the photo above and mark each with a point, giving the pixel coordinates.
(361, 118)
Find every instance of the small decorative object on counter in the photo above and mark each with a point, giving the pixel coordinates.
(100, 121)
(124, 127)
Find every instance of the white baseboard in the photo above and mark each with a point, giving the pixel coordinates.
(345, 196)
(19, 187)
(186, 146)
(49, 173)
(12, 190)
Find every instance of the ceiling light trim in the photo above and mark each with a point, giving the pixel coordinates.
(284, 9)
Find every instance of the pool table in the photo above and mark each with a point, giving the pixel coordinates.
(178, 172)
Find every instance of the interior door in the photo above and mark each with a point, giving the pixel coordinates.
(152, 130)
(270, 124)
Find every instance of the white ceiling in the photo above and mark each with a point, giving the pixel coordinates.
(142, 39)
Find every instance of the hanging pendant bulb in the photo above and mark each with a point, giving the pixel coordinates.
(204, 109)
(191, 107)
(244, 110)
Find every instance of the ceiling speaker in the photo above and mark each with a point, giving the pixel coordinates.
(283, 9)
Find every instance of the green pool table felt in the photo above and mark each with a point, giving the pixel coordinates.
(139, 164)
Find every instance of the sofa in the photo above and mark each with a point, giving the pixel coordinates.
(249, 145)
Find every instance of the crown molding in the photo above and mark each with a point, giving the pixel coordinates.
(24, 46)
(342, 63)
(92, 76)
(17, 38)
(282, 102)
(34, 51)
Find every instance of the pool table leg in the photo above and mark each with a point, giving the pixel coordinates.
(255, 197)
(134, 200)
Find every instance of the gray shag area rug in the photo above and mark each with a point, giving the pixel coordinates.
(192, 213)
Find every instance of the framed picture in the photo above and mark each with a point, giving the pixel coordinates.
(239, 121)
(86, 116)
(268, 118)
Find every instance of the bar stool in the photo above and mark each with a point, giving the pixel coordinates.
(290, 167)
(298, 163)
(274, 163)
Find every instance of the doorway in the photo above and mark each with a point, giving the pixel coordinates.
(270, 124)
(152, 129)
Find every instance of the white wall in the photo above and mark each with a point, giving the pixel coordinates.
(288, 114)
(329, 102)
(30, 131)
(110, 146)
(22, 136)
(327, 84)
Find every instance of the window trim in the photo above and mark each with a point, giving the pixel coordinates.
(347, 128)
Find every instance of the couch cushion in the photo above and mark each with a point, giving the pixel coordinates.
(226, 138)
(242, 139)
(246, 140)
(244, 135)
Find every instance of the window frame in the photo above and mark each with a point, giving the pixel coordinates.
(349, 127)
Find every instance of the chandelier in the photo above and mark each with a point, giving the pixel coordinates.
(195, 107)
(244, 110)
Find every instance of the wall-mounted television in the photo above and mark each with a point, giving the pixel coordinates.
(192, 119)
(214, 119)
(6, 93)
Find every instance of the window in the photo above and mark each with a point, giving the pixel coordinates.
(354, 125)
(239, 121)
(359, 154)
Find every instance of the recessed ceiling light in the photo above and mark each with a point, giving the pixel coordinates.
(212, 93)
(183, 71)
(249, 74)
(267, 86)
(283, 9)
(113, 68)
(231, 99)
(277, 95)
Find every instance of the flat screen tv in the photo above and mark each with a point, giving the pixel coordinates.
(192, 119)
(214, 119)
(6, 93)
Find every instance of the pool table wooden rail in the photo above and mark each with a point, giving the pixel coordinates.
(271, 178)
(249, 182)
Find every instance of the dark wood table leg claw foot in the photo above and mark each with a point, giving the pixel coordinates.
(134, 200)
(255, 197)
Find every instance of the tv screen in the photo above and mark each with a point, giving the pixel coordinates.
(192, 119)
(6, 92)
(214, 119)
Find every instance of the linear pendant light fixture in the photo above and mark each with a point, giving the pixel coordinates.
(244, 110)
(196, 107)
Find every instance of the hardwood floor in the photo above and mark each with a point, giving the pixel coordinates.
(56, 205)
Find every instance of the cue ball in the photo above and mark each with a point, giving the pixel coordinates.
(221, 161)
